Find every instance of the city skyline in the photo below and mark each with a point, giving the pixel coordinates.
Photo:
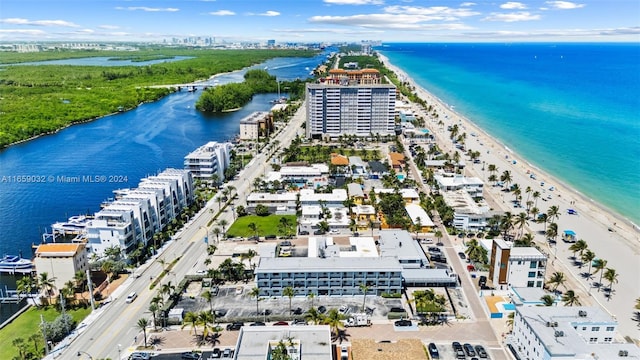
(320, 20)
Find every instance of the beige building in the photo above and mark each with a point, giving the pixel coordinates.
(61, 261)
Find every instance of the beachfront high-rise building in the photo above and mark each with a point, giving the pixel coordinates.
(210, 159)
(335, 109)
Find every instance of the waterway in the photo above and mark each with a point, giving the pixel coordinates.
(104, 61)
(125, 147)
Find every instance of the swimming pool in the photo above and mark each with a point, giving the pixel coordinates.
(509, 307)
(400, 177)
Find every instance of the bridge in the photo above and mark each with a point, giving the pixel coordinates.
(190, 87)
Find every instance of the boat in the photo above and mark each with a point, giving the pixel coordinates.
(14, 264)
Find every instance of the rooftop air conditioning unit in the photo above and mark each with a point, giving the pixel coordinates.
(582, 313)
(559, 334)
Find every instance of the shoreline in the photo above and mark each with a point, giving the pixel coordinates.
(609, 235)
(543, 175)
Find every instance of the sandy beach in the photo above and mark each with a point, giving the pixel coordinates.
(608, 235)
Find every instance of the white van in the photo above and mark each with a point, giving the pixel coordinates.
(131, 297)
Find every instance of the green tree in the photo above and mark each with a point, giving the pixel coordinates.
(255, 292)
(208, 296)
(154, 308)
(611, 275)
(313, 316)
(599, 265)
(290, 293)
(364, 289)
(587, 257)
(142, 325)
(47, 284)
(334, 320)
(548, 300)
(570, 298)
(557, 279)
(191, 318)
(578, 247)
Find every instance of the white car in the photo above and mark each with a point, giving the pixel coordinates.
(335, 231)
(239, 290)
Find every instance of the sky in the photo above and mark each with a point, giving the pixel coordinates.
(321, 20)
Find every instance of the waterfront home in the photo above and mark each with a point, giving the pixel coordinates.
(61, 261)
(210, 159)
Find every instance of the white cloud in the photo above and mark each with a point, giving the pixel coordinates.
(146, 8)
(441, 11)
(355, 2)
(564, 5)
(513, 5)
(551, 33)
(222, 13)
(31, 32)
(21, 21)
(86, 31)
(109, 27)
(512, 17)
(270, 13)
(468, 4)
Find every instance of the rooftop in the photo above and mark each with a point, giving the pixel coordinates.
(58, 249)
(416, 211)
(333, 264)
(313, 341)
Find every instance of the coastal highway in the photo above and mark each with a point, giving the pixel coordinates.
(116, 325)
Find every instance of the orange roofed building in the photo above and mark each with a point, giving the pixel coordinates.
(61, 261)
(352, 77)
(339, 160)
(397, 160)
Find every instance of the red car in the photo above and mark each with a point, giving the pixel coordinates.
(280, 323)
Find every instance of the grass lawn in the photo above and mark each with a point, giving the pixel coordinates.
(267, 225)
(29, 323)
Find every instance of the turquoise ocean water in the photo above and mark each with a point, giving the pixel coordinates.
(572, 110)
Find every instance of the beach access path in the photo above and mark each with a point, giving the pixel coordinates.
(609, 236)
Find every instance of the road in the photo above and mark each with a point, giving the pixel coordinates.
(115, 328)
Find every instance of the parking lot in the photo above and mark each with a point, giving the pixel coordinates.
(231, 306)
(447, 353)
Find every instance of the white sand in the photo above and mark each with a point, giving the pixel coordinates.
(620, 247)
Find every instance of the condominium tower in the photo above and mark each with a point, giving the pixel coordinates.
(344, 108)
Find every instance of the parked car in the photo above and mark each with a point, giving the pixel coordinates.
(258, 323)
(239, 290)
(344, 352)
(215, 290)
(235, 326)
(304, 233)
(433, 351)
(481, 351)
(191, 355)
(226, 353)
(322, 309)
(281, 323)
(216, 354)
(285, 243)
(468, 348)
(318, 232)
(270, 237)
(456, 346)
(140, 356)
(298, 311)
(299, 322)
(403, 323)
(343, 309)
(462, 255)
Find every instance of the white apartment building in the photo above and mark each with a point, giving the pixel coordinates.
(518, 267)
(315, 175)
(472, 185)
(137, 214)
(209, 159)
(335, 199)
(282, 202)
(418, 215)
(61, 261)
(556, 332)
(361, 110)
(468, 214)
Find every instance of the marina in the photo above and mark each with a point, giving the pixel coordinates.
(13, 264)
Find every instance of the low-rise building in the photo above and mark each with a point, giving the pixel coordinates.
(355, 193)
(557, 332)
(419, 216)
(311, 342)
(61, 261)
(334, 199)
(279, 202)
(516, 266)
(313, 176)
(256, 125)
(409, 195)
(469, 215)
(364, 215)
(472, 185)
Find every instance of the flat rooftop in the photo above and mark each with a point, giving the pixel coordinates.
(333, 264)
(312, 341)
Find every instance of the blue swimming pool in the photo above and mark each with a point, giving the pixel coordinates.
(400, 177)
(509, 307)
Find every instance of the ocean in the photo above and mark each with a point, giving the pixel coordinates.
(571, 109)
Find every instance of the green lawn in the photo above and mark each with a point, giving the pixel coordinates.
(29, 323)
(267, 225)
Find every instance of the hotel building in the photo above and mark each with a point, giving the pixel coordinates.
(516, 266)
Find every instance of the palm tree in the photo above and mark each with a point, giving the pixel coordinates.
(206, 318)
(286, 224)
(216, 231)
(208, 296)
(552, 231)
(599, 265)
(313, 316)
(26, 285)
(520, 221)
(570, 298)
(255, 292)
(548, 300)
(553, 213)
(191, 318)
(167, 288)
(557, 278)
(611, 275)
(526, 240)
(535, 195)
(334, 320)
(253, 227)
(154, 308)
(290, 293)
(47, 284)
(250, 254)
(142, 325)
(364, 288)
(578, 247)
(211, 249)
(311, 296)
(506, 178)
(223, 224)
(587, 257)
(438, 235)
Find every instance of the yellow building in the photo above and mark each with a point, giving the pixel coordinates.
(61, 261)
